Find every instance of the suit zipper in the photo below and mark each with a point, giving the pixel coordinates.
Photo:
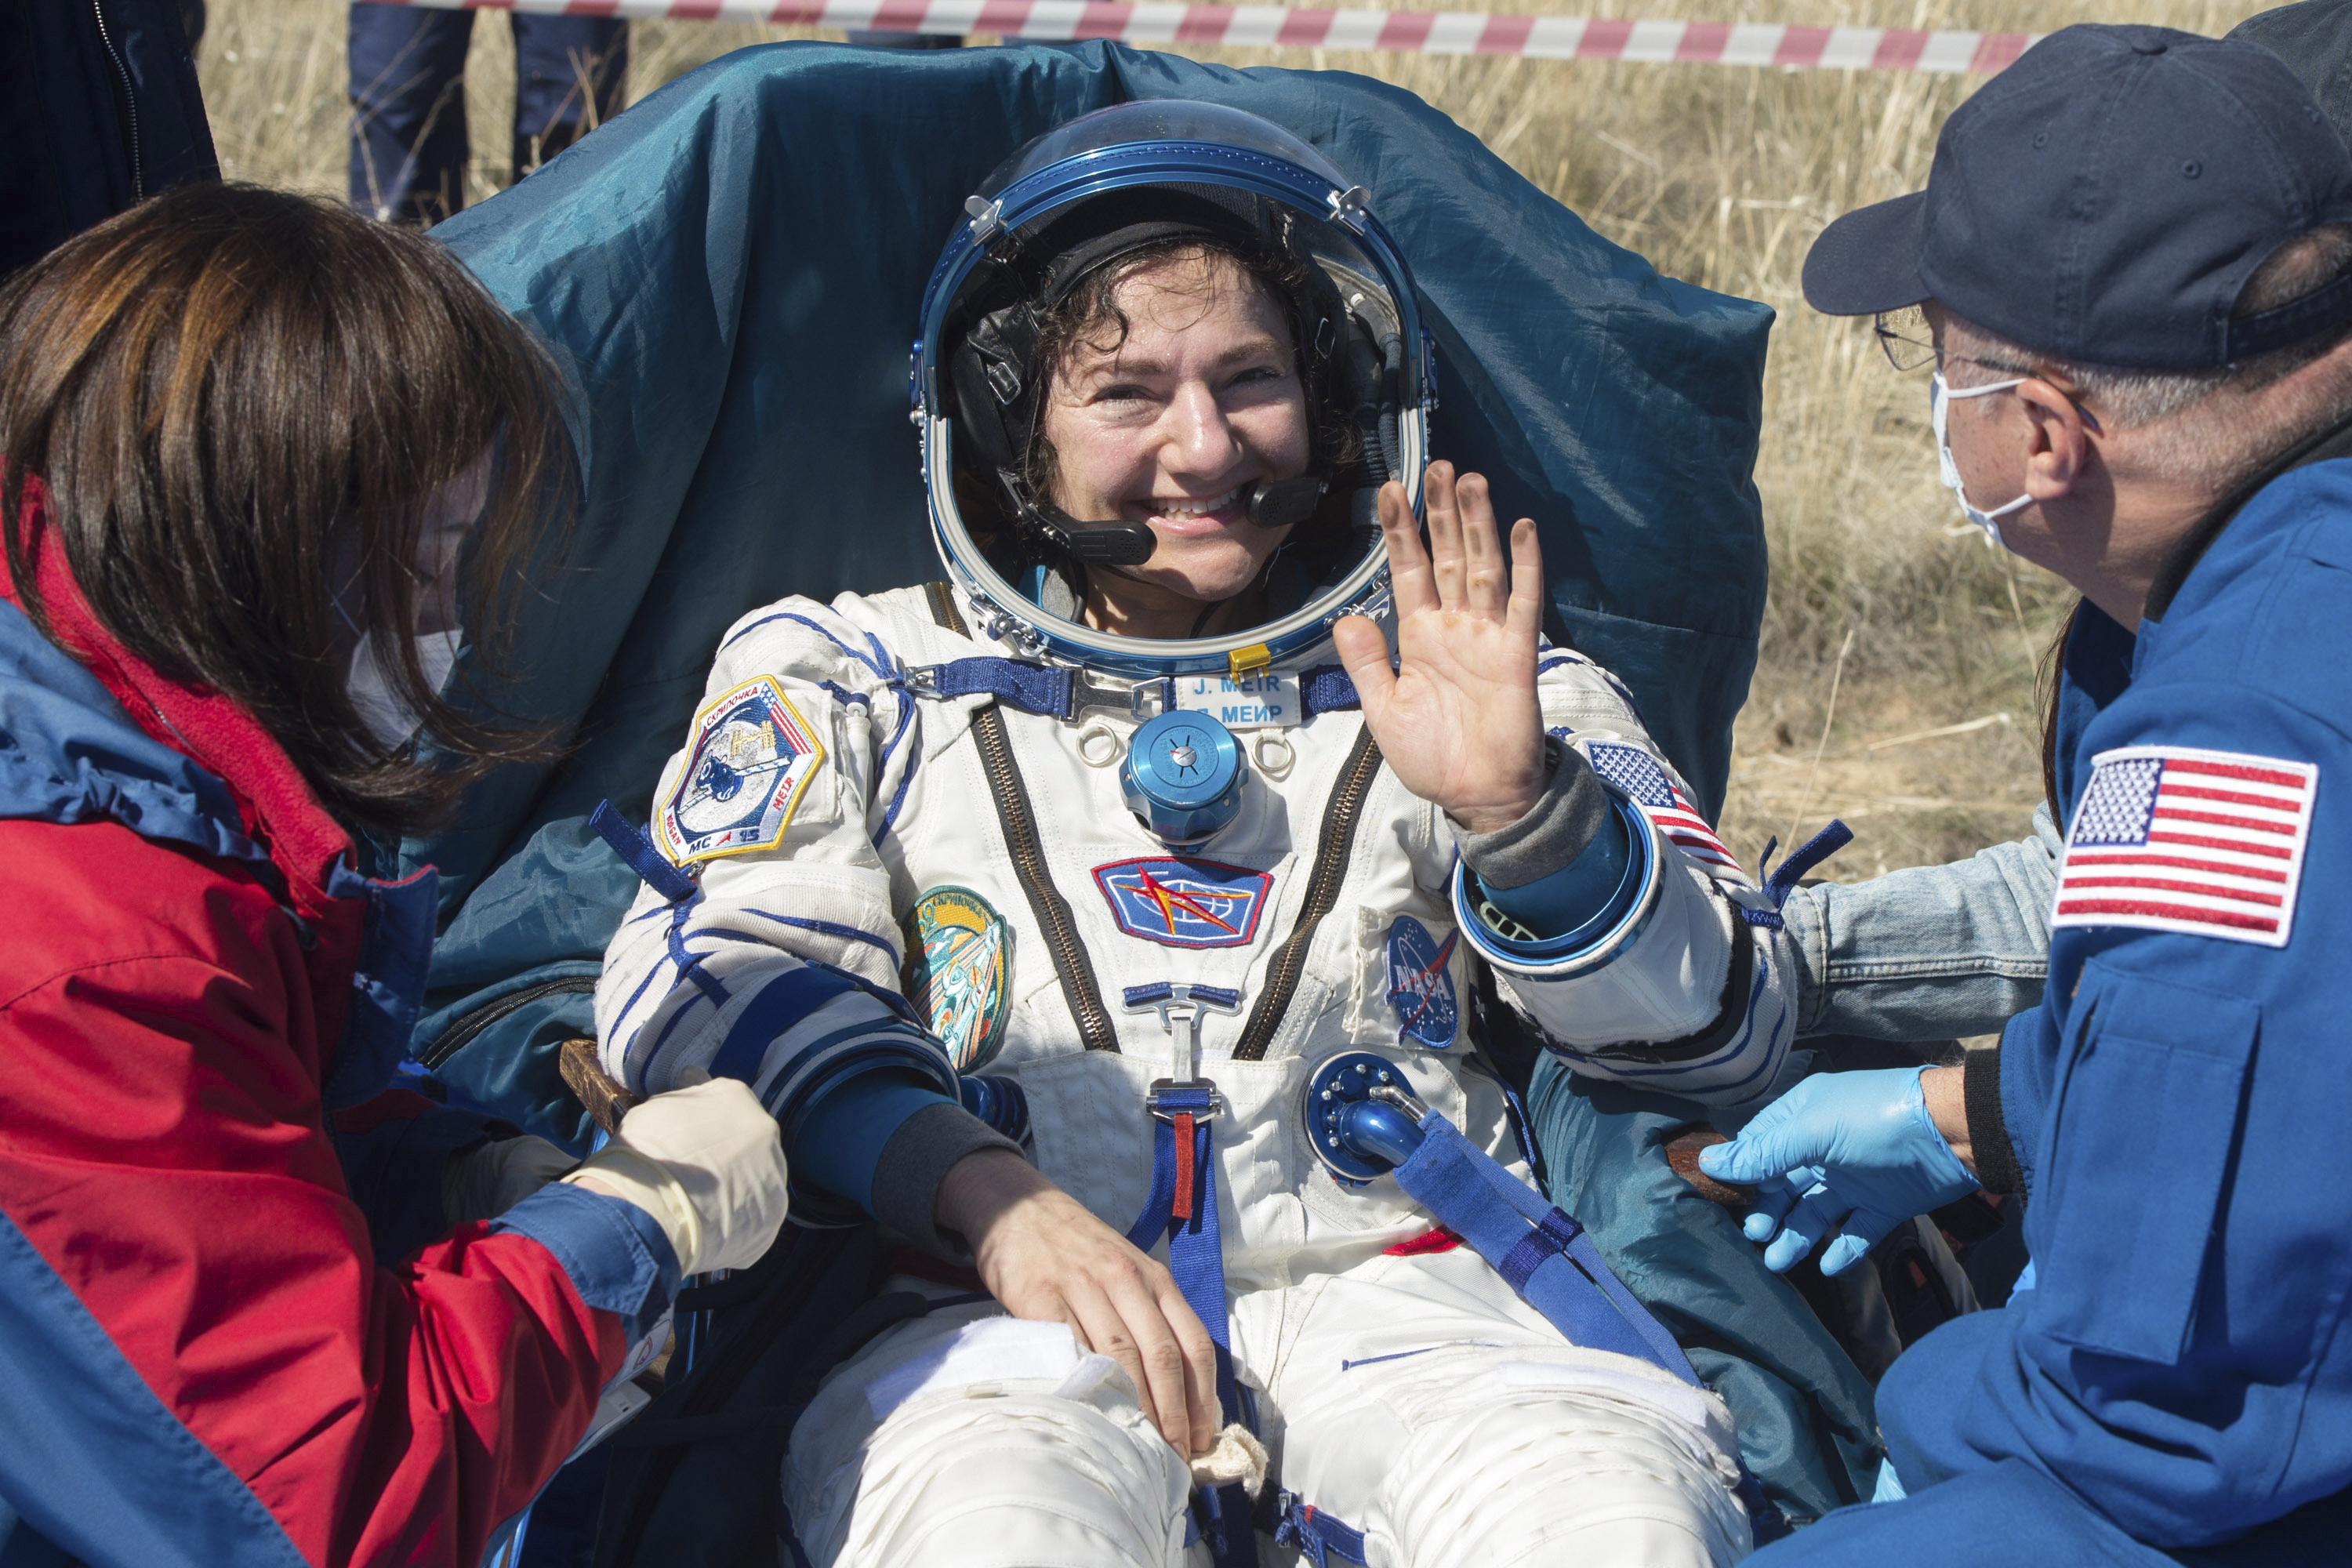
(1333, 847)
(1020, 826)
(130, 101)
(1053, 912)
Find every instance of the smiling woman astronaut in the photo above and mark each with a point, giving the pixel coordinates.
(1109, 812)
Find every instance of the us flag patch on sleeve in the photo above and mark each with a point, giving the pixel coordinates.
(1638, 777)
(2170, 838)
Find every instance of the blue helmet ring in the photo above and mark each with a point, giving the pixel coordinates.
(1198, 152)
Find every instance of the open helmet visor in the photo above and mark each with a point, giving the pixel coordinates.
(1076, 199)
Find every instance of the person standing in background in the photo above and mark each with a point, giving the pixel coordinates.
(98, 109)
(409, 146)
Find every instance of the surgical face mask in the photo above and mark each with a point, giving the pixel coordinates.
(1939, 403)
(388, 719)
(449, 512)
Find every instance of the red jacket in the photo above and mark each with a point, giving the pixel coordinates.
(201, 1358)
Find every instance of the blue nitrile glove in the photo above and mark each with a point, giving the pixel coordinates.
(1852, 1153)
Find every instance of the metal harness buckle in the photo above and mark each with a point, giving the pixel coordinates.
(1086, 692)
(1180, 1007)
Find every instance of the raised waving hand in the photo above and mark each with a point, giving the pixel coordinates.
(1457, 718)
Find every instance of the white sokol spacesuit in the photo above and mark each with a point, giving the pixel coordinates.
(876, 801)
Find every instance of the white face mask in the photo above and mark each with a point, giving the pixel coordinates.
(449, 512)
(1939, 402)
(388, 719)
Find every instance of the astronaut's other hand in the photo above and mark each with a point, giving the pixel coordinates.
(1457, 718)
(1043, 1256)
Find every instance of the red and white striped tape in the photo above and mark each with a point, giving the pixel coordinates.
(1406, 31)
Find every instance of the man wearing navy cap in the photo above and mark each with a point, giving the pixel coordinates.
(2131, 273)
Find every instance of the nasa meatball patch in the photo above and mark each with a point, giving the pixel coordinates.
(1421, 983)
(752, 757)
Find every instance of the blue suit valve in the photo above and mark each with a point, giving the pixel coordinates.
(1183, 778)
(1360, 1116)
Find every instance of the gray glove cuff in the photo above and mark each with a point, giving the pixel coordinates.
(913, 1163)
(1553, 833)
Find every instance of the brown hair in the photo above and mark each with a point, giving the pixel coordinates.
(239, 401)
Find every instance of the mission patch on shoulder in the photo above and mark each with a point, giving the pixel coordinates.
(751, 756)
(958, 972)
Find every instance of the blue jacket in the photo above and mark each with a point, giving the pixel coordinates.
(2178, 1103)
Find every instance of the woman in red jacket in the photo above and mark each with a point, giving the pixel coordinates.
(254, 1308)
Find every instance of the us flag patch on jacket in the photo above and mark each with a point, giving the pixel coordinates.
(2171, 838)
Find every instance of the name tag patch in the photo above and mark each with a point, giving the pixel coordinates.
(1264, 700)
(2172, 839)
(751, 756)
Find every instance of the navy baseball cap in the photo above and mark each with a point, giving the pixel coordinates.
(2105, 199)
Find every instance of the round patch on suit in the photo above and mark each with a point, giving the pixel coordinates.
(960, 972)
(1421, 983)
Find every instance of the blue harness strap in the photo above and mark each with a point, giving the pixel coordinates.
(1318, 1535)
(1788, 873)
(1183, 1207)
(637, 852)
(1040, 688)
(1050, 691)
(1326, 689)
(1544, 1254)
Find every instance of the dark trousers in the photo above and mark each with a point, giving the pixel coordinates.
(408, 100)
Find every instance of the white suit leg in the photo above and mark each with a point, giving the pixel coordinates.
(966, 1440)
(1426, 1405)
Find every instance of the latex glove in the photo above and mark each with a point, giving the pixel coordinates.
(485, 1181)
(708, 1163)
(1851, 1154)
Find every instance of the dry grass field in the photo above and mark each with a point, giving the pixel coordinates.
(1897, 681)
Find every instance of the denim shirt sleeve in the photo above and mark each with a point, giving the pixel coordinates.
(1933, 952)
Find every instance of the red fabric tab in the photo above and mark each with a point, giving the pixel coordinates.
(1184, 1173)
(1428, 1241)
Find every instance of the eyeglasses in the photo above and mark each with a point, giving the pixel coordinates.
(1909, 344)
(1904, 337)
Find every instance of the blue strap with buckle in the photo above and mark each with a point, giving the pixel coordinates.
(1316, 1534)
(1543, 1253)
(1041, 688)
(1052, 691)
(1183, 1207)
